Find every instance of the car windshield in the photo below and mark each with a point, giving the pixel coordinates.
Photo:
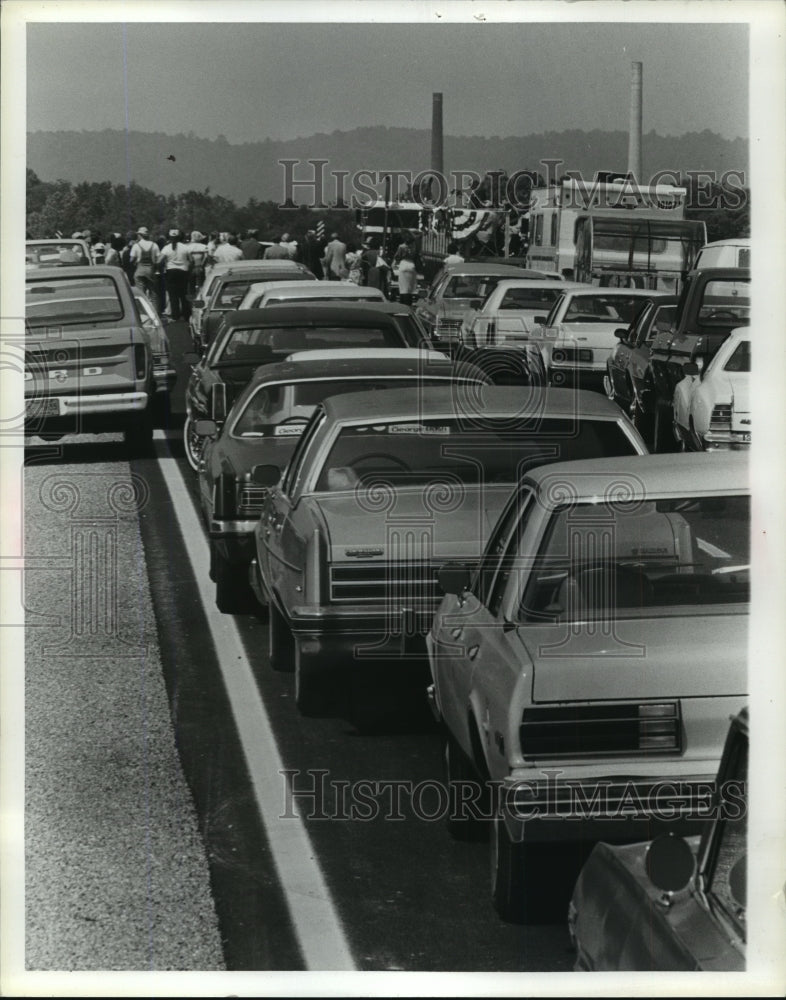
(261, 344)
(459, 451)
(63, 254)
(264, 412)
(530, 298)
(684, 556)
(72, 300)
(623, 309)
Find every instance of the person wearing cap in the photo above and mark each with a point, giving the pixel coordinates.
(197, 251)
(144, 256)
(251, 247)
(176, 265)
(97, 252)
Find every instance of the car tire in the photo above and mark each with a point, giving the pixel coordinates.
(509, 892)
(280, 646)
(233, 594)
(193, 444)
(459, 774)
(138, 437)
(314, 684)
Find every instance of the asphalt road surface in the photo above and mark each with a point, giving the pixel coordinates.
(180, 813)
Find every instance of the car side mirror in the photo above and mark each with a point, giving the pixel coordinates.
(621, 334)
(205, 428)
(540, 319)
(219, 402)
(198, 303)
(454, 578)
(265, 475)
(670, 863)
(691, 368)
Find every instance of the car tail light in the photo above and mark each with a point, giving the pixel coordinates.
(720, 420)
(140, 361)
(564, 354)
(601, 729)
(250, 497)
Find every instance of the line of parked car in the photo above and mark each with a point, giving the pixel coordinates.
(390, 489)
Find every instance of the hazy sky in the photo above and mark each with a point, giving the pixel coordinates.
(253, 81)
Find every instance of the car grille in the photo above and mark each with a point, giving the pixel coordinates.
(397, 583)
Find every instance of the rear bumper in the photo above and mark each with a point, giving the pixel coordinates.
(111, 402)
(343, 635)
(725, 440)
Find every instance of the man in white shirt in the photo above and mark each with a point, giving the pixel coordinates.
(229, 252)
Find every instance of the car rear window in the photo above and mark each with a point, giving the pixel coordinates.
(529, 298)
(469, 286)
(67, 253)
(454, 452)
(263, 343)
(686, 556)
(725, 303)
(740, 361)
(624, 309)
(72, 300)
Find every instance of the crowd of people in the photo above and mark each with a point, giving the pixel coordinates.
(170, 269)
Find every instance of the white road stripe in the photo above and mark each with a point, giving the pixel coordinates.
(314, 917)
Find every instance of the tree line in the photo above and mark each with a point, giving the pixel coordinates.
(103, 207)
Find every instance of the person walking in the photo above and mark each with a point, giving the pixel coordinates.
(197, 251)
(176, 264)
(336, 259)
(144, 256)
(251, 247)
(453, 257)
(376, 269)
(278, 251)
(407, 277)
(228, 252)
(311, 254)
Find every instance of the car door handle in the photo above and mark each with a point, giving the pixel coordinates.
(472, 652)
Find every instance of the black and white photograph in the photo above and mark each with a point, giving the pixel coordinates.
(392, 502)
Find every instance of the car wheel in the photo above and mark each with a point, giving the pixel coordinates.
(138, 437)
(233, 594)
(468, 796)
(314, 684)
(280, 646)
(194, 444)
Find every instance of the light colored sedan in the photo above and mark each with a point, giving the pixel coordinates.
(506, 316)
(712, 405)
(260, 295)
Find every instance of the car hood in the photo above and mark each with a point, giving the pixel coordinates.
(377, 524)
(701, 655)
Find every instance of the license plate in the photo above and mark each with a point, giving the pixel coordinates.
(37, 408)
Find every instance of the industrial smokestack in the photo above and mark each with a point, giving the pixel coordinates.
(436, 133)
(634, 135)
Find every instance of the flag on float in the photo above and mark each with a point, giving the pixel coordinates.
(321, 229)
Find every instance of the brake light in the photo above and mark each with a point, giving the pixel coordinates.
(601, 729)
(140, 361)
(720, 419)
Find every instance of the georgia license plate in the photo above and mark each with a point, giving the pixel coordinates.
(37, 408)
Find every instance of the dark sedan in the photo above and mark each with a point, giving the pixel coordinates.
(264, 426)
(252, 337)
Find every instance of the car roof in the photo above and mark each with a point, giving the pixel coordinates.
(740, 333)
(640, 475)
(558, 286)
(477, 268)
(350, 353)
(596, 290)
(305, 289)
(76, 271)
(738, 241)
(497, 400)
(723, 273)
(380, 364)
(351, 313)
(241, 268)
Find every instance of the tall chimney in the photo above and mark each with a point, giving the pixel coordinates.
(634, 135)
(436, 133)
